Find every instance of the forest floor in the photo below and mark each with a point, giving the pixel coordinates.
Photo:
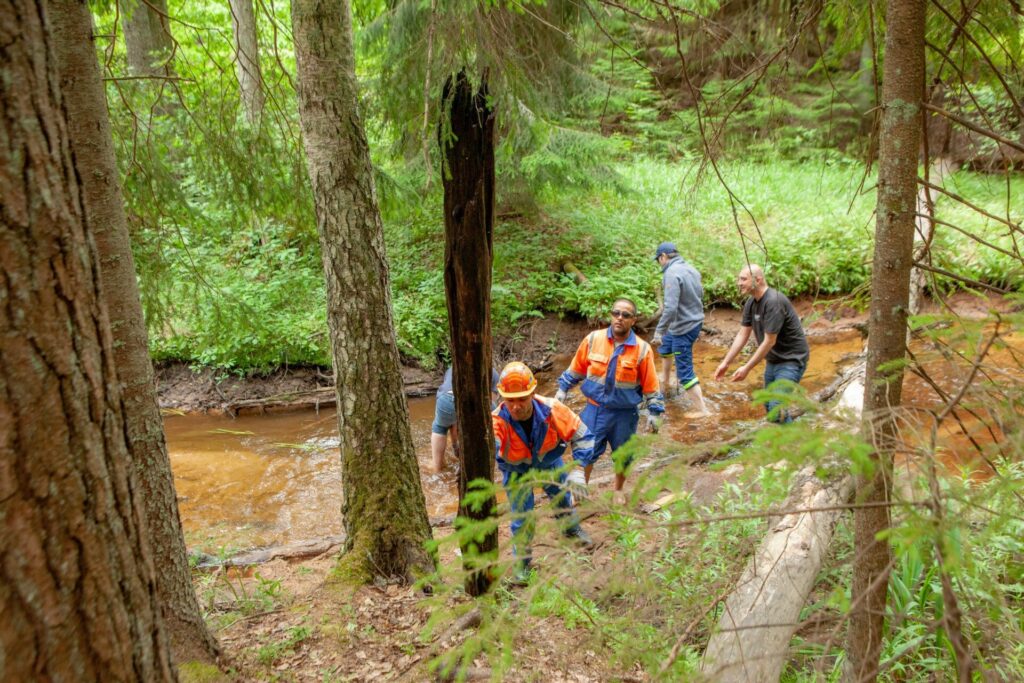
(286, 620)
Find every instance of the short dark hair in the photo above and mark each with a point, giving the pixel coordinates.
(628, 301)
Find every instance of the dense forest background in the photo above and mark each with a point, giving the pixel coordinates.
(854, 156)
(742, 130)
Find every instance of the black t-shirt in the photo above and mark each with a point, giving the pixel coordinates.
(774, 314)
(527, 427)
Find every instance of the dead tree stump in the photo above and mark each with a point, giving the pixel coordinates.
(468, 178)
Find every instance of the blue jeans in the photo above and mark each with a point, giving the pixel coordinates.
(681, 347)
(444, 413)
(791, 370)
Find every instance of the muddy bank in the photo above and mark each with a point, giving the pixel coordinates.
(542, 343)
(181, 388)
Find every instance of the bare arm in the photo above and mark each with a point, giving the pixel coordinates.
(737, 345)
(759, 354)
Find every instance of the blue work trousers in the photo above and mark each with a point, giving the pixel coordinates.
(521, 500)
(609, 427)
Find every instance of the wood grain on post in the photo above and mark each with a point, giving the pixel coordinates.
(468, 178)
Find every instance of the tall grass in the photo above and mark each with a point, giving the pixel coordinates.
(810, 224)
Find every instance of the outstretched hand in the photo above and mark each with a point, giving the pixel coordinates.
(576, 482)
(720, 372)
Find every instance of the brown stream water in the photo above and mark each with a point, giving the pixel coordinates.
(273, 479)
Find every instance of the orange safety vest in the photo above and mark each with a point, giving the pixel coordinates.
(636, 375)
(551, 434)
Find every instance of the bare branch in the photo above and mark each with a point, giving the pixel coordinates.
(973, 126)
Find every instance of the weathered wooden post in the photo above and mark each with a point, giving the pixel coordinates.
(468, 180)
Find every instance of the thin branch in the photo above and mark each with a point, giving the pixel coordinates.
(961, 278)
(952, 195)
(984, 55)
(976, 238)
(973, 126)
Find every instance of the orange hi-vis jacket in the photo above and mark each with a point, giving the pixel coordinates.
(554, 427)
(636, 375)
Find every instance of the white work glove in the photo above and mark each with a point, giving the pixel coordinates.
(560, 396)
(577, 484)
(654, 423)
(656, 341)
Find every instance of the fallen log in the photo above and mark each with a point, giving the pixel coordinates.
(575, 273)
(293, 551)
(299, 550)
(323, 397)
(751, 642)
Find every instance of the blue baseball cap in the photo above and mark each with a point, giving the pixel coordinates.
(665, 248)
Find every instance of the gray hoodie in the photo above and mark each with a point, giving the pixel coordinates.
(684, 309)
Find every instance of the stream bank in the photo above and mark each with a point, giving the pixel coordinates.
(539, 342)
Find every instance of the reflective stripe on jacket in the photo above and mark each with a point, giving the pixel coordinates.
(554, 428)
(635, 378)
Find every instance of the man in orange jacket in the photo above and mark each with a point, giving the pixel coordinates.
(618, 374)
(531, 434)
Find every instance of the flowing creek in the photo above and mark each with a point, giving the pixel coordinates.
(271, 479)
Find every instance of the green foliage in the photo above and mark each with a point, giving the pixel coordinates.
(597, 161)
(271, 652)
(226, 596)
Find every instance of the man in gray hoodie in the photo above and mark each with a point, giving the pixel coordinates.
(680, 323)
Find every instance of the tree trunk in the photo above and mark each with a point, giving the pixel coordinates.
(384, 512)
(78, 590)
(92, 145)
(940, 168)
(902, 93)
(147, 35)
(468, 221)
(247, 59)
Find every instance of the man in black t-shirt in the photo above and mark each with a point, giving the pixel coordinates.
(780, 336)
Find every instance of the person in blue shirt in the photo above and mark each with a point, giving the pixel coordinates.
(444, 418)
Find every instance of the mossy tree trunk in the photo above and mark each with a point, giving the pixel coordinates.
(78, 589)
(468, 219)
(147, 36)
(103, 203)
(384, 512)
(902, 94)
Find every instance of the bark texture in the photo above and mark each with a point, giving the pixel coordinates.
(385, 517)
(761, 615)
(77, 582)
(247, 59)
(902, 94)
(468, 222)
(147, 35)
(92, 146)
